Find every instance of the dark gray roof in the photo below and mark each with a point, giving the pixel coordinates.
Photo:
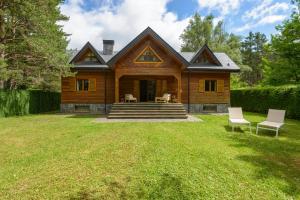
(107, 57)
(91, 67)
(224, 63)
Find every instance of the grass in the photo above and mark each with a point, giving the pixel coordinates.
(65, 157)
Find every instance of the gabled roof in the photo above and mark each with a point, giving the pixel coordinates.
(200, 51)
(226, 63)
(146, 32)
(223, 62)
(88, 45)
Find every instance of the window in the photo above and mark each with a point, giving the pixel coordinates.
(148, 55)
(209, 108)
(210, 85)
(82, 85)
(202, 60)
(90, 57)
(82, 108)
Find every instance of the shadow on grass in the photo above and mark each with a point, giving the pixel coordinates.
(113, 190)
(236, 129)
(169, 187)
(84, 195)
(278, 158)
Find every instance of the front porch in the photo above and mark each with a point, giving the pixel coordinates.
(147, 88)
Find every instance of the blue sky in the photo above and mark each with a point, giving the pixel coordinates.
(122, 20)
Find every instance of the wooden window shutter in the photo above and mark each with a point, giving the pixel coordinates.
(92, 84)
(68, 84)
(201, 85)
(220, 85)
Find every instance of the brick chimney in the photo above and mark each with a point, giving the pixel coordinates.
(108, 47)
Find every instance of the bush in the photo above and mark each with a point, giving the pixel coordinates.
(261, 99)
(22, 102)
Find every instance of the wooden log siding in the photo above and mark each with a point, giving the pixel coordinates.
(197, 88)
(96, 93)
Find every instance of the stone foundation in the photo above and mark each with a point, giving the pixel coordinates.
(90, 108)
(207, 108)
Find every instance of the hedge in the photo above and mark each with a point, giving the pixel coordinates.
(22, 102)
(261, 99)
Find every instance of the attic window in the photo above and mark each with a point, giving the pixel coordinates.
(148, 55)
(90, 57)
(202, 60)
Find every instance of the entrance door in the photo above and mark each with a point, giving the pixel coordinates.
(147, 90)
(151, 87)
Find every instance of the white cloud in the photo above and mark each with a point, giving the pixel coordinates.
(121, 23)
(223, 6)
(265, 8)
(243, 28)
(266, 12)
(271, 19)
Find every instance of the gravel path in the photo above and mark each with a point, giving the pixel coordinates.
(189, 119)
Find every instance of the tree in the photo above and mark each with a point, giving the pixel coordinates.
(282, 63)
(33, 51)
(253, 51)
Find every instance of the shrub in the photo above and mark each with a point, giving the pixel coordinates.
(22, 102)
(261, 99)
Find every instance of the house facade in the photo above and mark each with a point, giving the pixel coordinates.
(147, 67)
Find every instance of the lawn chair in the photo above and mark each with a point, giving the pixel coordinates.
(129, 98)
(164, 99)
(275, 120)
(236, 118)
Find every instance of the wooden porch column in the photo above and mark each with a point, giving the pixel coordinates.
(179, 89)
(117, 89)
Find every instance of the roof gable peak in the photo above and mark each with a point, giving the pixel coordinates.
(147, 32)
(87, 46)
(201, 51)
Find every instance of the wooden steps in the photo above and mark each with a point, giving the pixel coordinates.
(147, 111)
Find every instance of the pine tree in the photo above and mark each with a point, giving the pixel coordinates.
(282, 63)
(33, 45)
(253, 52)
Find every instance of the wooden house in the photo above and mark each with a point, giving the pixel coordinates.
(147, 67)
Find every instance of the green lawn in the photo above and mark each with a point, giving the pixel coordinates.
(65, 157)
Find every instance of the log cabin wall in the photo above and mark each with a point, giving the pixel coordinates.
(69, 95)
(221, 96)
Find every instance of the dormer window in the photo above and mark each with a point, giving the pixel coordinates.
(202, 59)
(90, 57)
(205, 57)
(148, 55)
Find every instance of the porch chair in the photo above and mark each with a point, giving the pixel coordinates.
(164, 99)
(274, 121)
(236, 118)
(129, 98)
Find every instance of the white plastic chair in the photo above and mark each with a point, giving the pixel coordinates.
(236, 118)
(274, 121)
